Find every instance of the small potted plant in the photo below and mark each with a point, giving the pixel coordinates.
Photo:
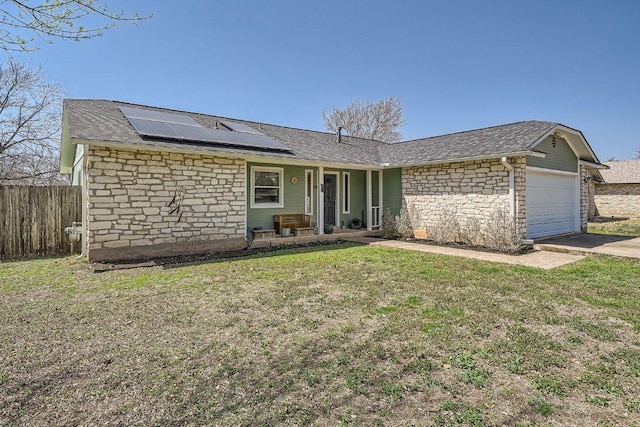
(328, 228)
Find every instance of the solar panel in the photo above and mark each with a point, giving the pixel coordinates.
(218, 135)
(248, 140)
(233, 138)
(178, 119)
(239, 127)
(154, 128)
(159, 116)
(193, 133)
(180, 127)
(139, 113)
(264, 141)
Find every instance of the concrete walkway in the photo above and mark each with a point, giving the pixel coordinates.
(539, 259)
(593, 244)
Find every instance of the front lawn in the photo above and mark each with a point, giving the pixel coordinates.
(345, 335)
(617, 226)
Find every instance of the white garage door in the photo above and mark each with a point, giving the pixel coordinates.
(552, 205)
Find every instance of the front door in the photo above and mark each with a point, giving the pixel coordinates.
(330, 199)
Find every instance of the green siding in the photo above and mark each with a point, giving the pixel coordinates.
(392, 190)
(561, 157)
(358, 197)
(293, 196)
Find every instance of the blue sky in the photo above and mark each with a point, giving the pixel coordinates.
(455, 64)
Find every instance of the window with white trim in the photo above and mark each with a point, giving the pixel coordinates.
(308, 192)
(346, 192)
(267, 190)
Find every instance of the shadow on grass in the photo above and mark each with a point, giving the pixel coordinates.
(585, 240)
(217, 257)
(601, 219)
(28, 258)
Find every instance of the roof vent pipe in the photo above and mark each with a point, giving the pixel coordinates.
(339, 140)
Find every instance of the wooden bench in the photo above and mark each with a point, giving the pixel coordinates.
(292, 221)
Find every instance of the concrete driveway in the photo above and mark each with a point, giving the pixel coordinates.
(590, 244)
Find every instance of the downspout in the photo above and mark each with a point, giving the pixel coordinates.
(369, 200)
(512, 184)
(248, 236)
(85, 189)
(320, 200)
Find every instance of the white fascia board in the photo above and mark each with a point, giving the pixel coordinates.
(67, 149)
(468, 159)
(543, 137)
(572, 136)
(590, 165)
(582, 139)
(539, 154)
(551, 171)
(310, 163)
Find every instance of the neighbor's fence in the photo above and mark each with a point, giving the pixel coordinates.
(34, 219)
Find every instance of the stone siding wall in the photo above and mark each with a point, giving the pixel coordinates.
(618, 200)
(584, 198)
(592, 200)
(143, 203)
(520, 171)
(471, 189)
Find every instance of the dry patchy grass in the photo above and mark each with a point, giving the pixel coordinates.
(617, 226)
(342, 336)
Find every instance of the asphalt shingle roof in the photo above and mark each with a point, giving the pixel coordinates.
(505, 139)
(101, 120)
(622, 172)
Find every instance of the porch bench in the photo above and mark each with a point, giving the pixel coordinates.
(290, 221)
(304, 231)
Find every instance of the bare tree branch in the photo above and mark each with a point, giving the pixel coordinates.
(30, 111)
(21, 22)
(380, 120)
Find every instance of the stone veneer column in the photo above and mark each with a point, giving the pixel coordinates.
(520, 173)
(584, 198)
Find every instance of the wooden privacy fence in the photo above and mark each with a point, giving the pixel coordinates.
(34, 219)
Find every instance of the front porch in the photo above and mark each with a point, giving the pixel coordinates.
(344, 194)
(346, 198)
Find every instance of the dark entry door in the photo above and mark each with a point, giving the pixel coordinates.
(330, 199)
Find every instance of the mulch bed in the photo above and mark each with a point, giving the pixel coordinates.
(180, 260)
(523, 249)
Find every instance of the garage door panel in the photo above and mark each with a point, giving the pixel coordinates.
(551, 204)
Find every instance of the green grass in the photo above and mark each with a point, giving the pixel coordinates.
(621, 227)
(541, 406)
(342, 335)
